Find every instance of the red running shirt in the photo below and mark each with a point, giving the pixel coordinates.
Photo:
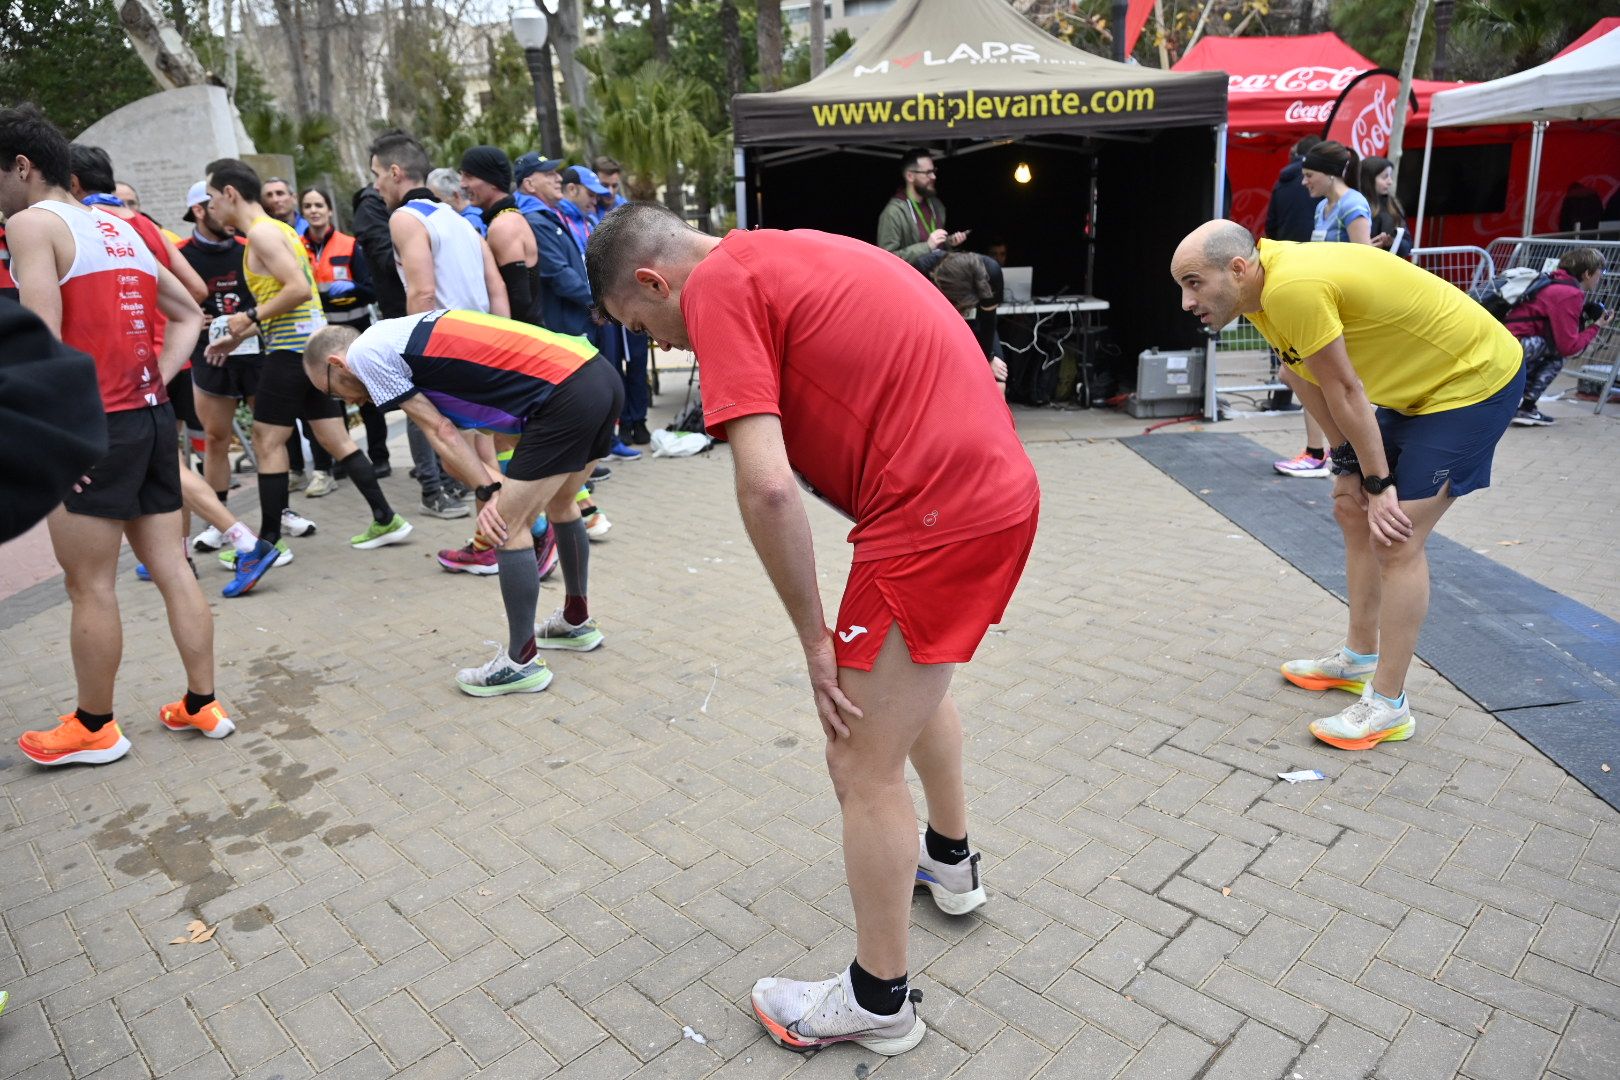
(109, 298)
(888, 408)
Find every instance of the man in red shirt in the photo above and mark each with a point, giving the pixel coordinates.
(831, 359)
(92, 281)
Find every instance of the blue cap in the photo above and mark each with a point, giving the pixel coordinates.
(531, 163)
(579, 174)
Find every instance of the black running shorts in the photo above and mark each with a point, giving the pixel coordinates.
(185, 411)
(140, 474)
(573, 427)
(237, 377)
(286, 394)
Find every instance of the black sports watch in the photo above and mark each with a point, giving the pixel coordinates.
(1373, 485)
(487, 491)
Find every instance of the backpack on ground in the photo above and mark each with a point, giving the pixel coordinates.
(1509, 289)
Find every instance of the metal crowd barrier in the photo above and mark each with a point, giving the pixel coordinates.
(1601, 360)
(1464, 267)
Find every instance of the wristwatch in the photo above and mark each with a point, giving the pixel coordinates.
(487, 491)
(1373, 485)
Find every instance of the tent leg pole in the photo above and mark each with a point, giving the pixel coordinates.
(1212, 408)
(740, 166)
(1423, 191)
(1538, 132)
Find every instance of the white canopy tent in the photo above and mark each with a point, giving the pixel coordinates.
(1583, 84)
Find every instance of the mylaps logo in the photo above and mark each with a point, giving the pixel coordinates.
(987, 52)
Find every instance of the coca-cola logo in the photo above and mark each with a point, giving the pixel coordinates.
(1369, 135)
(1300, 80)
(1301, 112)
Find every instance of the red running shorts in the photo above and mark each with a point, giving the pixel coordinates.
(944, 599)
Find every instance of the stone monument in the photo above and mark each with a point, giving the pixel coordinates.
(161, 143)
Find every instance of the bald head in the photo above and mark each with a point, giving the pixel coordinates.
(1218, 269)
(1218, 242)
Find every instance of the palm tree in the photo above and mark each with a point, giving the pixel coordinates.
(654, 121)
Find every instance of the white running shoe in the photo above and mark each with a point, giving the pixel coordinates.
(210, 539)
(955, 887)
(320, 483)
(805, 1016)
(295, 524)
(597, 526)
(503, 675)
(558, 633)
(1367, 723)
(1335, 671)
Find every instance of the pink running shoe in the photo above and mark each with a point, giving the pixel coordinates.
(1304, 465)
(467, 559)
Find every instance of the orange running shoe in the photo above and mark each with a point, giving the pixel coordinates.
(210, 719)
(71, 743)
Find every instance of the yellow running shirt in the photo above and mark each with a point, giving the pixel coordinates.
(1418, 343)
(290, 331)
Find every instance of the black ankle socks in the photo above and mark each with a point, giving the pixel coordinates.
(943, 848)
(93, 721)
(881, 996)
(195, 703)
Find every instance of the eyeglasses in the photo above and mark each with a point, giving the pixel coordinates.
(923, 172)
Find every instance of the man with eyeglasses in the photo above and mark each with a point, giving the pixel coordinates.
(912, 225)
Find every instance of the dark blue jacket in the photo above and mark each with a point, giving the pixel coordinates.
(1292, 213)
(565, 291)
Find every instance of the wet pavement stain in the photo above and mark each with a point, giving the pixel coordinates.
(342, 834)
(254, 918)
(281, 693)
(182, 845)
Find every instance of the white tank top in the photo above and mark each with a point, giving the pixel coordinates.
(458, 257)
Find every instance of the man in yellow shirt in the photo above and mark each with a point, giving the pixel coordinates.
(1356, 328)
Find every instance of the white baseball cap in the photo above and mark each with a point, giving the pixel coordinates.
(197, 193)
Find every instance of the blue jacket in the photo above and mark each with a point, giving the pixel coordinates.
(565, 291)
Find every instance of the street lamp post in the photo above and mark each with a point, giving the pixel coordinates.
(529, 26)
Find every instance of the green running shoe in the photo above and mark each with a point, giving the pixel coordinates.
(382, 533)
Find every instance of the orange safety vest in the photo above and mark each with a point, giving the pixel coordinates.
(331, 262)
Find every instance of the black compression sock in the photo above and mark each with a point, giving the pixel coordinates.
(272, 501)
(93, 721)
(357, 467)
(943, 848)
(1315, 451)
(195, 702)
(885, 997)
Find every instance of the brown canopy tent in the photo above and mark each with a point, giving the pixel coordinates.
(1124, 159)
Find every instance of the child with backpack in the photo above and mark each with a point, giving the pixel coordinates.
(1553, 322)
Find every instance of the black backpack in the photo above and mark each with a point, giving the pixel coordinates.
(1509, 289)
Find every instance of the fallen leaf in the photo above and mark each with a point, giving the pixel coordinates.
(179, 940)
(485, 892)
(1129, 998)
(198, 939)
(1508, 543)
(1605, 766)
(1226, 890)
(196, 926)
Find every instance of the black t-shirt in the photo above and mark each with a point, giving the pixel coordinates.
(221, 268)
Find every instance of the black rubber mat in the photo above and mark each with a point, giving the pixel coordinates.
(1545, 665)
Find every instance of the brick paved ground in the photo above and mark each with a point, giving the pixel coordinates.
(407, 882)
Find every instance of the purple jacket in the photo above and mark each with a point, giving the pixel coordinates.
(1554, 313)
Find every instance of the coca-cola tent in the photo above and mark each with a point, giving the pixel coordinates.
(1287, 85)
(1280, 89)
(1119, 161)
(1283, 88)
